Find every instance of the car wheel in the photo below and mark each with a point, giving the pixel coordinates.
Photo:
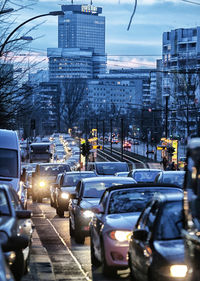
(17, 267)
(106, 269)
(71, 231)
(60, 212)
(78, 236)
(132, 275)
(94, 260)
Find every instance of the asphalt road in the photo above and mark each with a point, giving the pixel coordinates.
(69, 261)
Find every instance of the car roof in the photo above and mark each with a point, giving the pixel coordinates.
(143, 185)
(79, 172)
(52, 164)
(168, 197)
(146, 170)
(172, 172)
(105, 179)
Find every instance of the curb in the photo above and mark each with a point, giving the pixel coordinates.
(40, 267)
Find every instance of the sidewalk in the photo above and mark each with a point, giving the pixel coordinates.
(40, 264)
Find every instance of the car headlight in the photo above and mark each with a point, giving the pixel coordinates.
(87, 213)
(178, 270)
(42, 184)
(65, 195)
(120, 235)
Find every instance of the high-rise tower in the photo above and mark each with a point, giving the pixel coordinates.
(81, 43)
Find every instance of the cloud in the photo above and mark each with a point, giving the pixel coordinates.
(130, 62)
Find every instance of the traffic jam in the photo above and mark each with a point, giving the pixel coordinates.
(97, 219)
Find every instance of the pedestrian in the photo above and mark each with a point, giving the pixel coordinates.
(164, 162)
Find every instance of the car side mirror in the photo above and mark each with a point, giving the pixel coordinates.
(23, 214)
(140, 234)
(15, 243)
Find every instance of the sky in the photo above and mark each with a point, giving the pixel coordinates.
(138, 47)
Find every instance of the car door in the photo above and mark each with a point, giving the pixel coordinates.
(143, 249)
(98, 222)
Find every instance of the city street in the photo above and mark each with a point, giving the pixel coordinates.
(68, 260)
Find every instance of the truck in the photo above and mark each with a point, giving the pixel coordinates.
(40, 152)
(191, 209)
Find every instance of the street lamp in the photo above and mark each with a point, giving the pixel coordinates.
(53, 13)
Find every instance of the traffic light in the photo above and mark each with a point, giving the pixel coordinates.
(171, 150)
(87, 147)
(83, 149)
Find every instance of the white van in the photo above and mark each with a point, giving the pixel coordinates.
(10, 159)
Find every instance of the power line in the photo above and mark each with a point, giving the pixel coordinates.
(190, 2)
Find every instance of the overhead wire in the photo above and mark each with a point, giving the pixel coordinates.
(134, 10)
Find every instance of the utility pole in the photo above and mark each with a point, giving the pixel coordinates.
(103, 133)
(122, 139)
(111, 129)
(166, 116)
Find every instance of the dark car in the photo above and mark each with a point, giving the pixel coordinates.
(15, 222)
(43, 177)
(156, 249)
(88, 193)
(172, 177)
(144, 175)
(107, 168)
(114, 219)
(65, 187)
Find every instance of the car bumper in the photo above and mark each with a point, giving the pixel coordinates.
(116, 253)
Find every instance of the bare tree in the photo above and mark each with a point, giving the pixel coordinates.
(74, 96)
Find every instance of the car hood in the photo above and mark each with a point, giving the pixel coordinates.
(171, 250)
(70, 189)
(121, 221)
(88, 203)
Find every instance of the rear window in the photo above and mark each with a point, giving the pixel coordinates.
(8, 163)
(145, 176)
(72, 180)
(54, 170)
(111, 168)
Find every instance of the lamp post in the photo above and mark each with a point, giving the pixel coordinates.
(53, 13)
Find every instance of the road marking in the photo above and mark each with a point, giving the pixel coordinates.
(74, 258)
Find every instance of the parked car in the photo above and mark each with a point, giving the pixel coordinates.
(156, 249)
(173, 177)
(15, 222)
(44, 175)
(65, 187)
(144, 175)
(113, 221)
(107, 168)
(88, 193)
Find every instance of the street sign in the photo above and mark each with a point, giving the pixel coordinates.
(97, 146)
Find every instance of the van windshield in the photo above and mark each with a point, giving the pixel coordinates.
(8, 163)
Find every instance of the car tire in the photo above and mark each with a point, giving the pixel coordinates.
(132, 275)
(60, 212)
(94, 260)
(78, 236)
(107, 270)
(71, 231)
(18, 266)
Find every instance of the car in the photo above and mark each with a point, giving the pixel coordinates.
(173, 177)
(107, 168)
(65, 187)
(6, 274)
(44, 175)
(156, 248)
(127, 144)
(135, 142)
(14, 222)
(113, 221)
(88, 193)
(144, 175)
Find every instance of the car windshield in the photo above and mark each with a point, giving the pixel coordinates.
(145, 176)
(171, 222)
(174, 178)
(4, 206)
(133, 200)
(72, 180)
(96, 189)
(8, 163)
(53, 170)
(111, 168)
